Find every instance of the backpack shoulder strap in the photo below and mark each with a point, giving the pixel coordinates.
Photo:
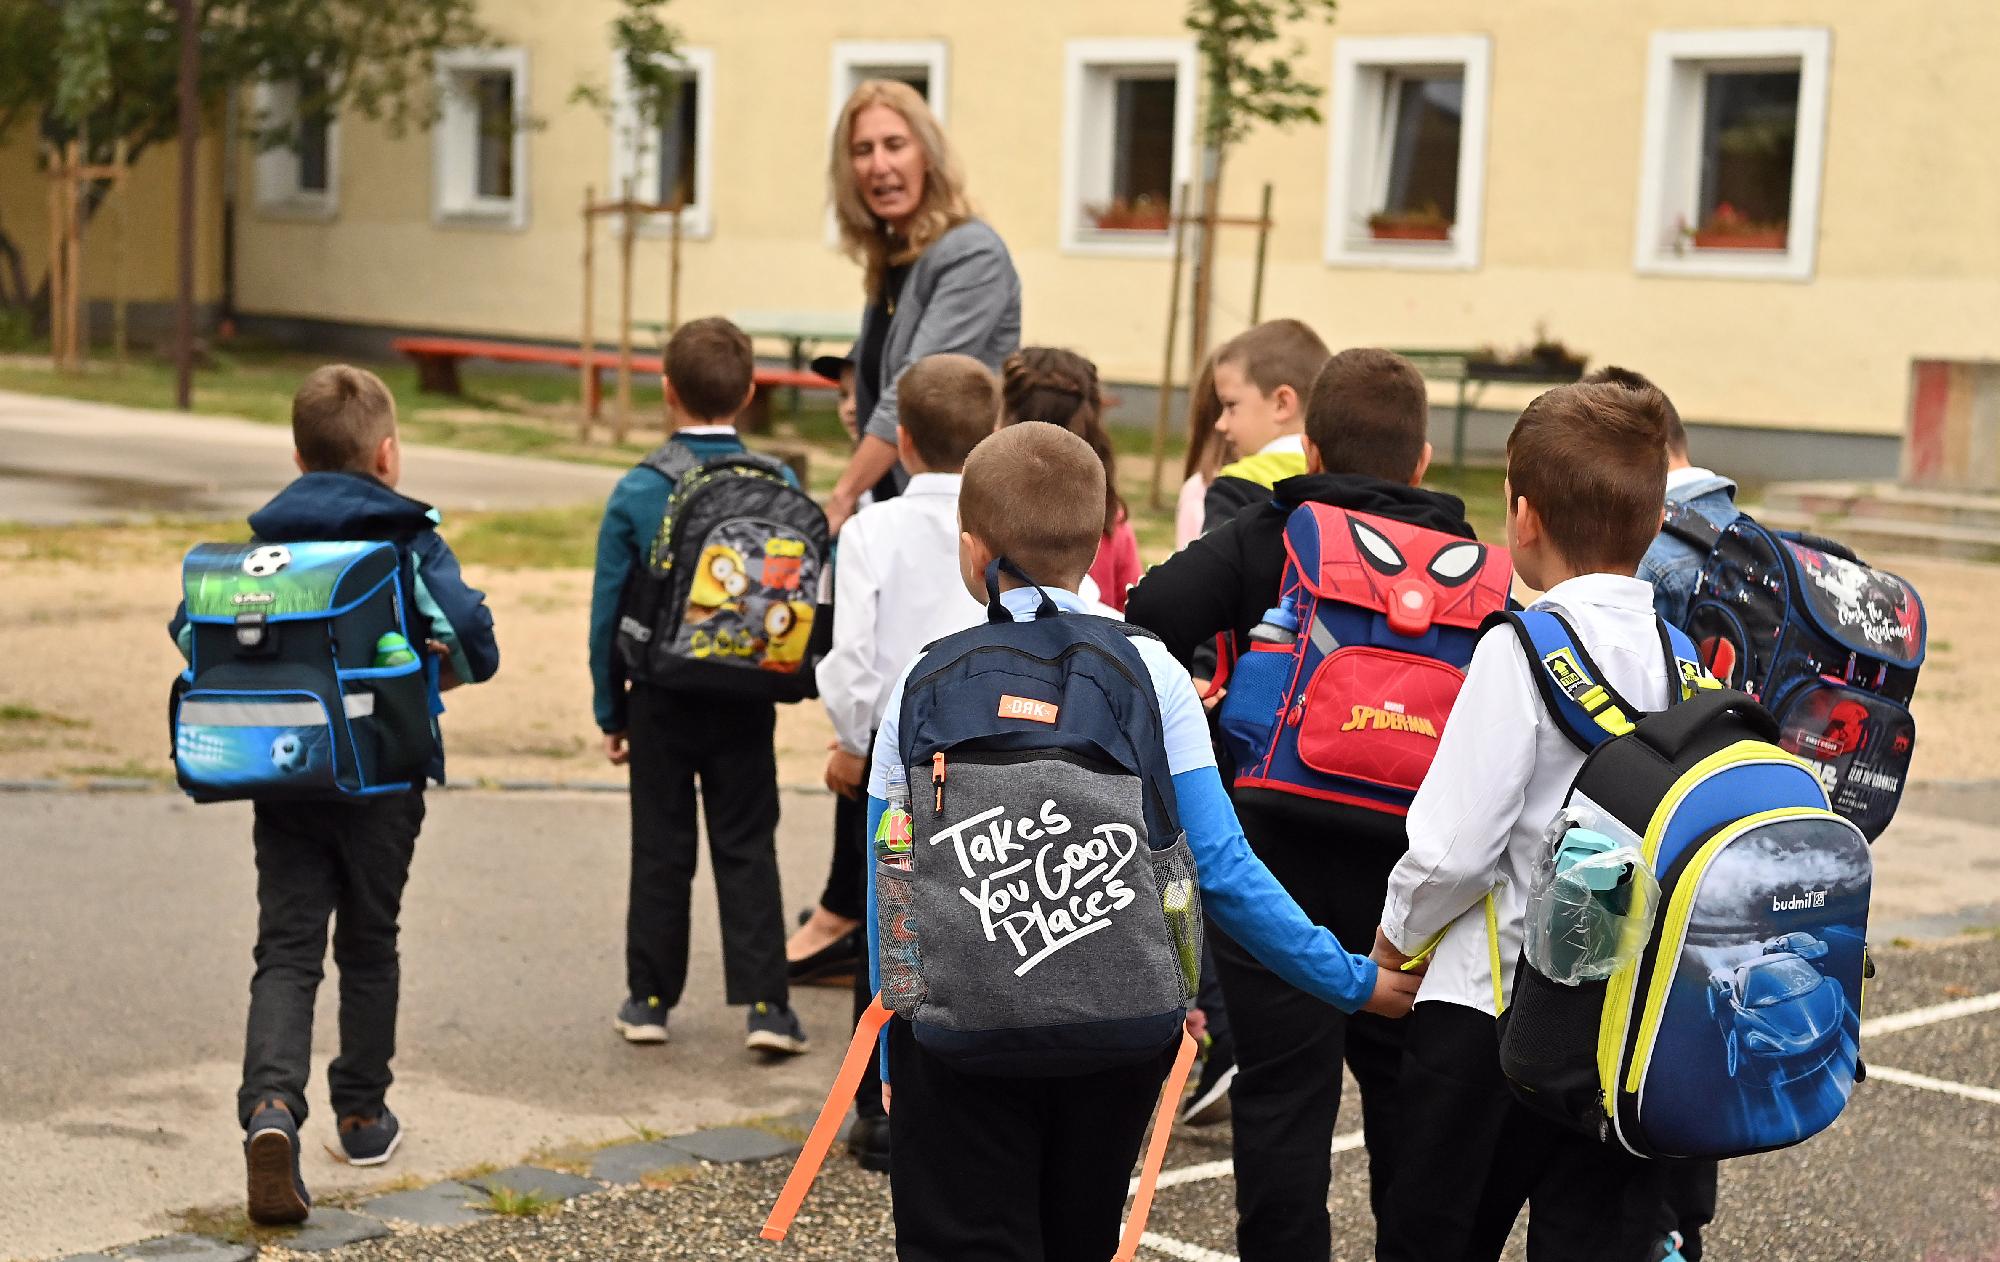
(1690, 527)
(1576, 693)
(1686, 674)
(671, 460)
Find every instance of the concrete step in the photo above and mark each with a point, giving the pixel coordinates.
(1876, 538)
(1887, 501)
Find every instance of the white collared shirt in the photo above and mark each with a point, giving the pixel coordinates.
(896, 587)
(1688, 476)
(1284, 442)
(1502, 769)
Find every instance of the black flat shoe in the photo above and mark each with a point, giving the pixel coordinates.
(839, 956)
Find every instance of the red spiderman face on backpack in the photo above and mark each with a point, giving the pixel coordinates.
(1428, 576)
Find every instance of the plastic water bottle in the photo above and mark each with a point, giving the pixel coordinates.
(393, 650)
(1280, 625)
(893, 835)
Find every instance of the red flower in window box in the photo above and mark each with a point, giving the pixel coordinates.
(1730, 229)
(1142, 214)
(1427, 223)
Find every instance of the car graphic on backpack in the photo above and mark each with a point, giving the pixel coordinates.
(1781, 1018)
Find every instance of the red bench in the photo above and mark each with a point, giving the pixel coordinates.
(437, 360)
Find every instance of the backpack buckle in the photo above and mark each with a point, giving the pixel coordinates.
(254, 636)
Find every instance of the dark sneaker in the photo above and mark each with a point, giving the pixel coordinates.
(1668, 1250)
(370, 1141)
(834, 963)
(276, 1193)
(775, 1028)
(642, 1020)
(869, 1142)
(1210, 1102)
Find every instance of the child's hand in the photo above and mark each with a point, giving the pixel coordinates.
(1394, 993)
(1197, 1024)
(845, 772)
(885, 1099)
(1209, 700)
(617, 748)
(447, 677)
(1386, 955)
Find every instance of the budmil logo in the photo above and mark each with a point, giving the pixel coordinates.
(1804, 901)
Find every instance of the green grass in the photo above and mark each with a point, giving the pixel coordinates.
(130, 769)
(511, 1204)
(528, 539)
(13, 712)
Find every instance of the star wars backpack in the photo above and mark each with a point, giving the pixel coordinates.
(306, 676)
(1830, 645)
(1734, 1025)
(1384, 619)
(726, 601)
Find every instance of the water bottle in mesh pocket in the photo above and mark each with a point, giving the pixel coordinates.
(896, 925)
(1180, 901)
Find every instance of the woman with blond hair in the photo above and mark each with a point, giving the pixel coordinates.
(938, 280)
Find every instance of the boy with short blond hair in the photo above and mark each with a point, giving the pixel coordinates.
(1263, 377)
(343, 861)
(896, 589)
(1012, 1163)
(674, 738)
(1586, 473)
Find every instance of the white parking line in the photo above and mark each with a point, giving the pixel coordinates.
(1182, 1249)
(1930, 1016)
(1201, 1173)
(1904, 1077)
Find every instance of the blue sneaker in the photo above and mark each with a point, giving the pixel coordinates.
(370, 1141)
(642, 1020)
(775, 1028)
(1669, 1250)
(276, 1194)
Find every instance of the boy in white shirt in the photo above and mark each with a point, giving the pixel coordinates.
(1586, 473)
(896, 589)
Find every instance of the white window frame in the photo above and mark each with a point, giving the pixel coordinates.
(1357, 162)
(642, 166)
(275, 171)
(853, 58)
(451, 203)
(1670, 169)
(1081, 58)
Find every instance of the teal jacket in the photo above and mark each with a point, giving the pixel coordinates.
(631, 519)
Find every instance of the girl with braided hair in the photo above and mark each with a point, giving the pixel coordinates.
(1059, 387)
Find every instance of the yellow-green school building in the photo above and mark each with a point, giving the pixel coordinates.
(1773, 207)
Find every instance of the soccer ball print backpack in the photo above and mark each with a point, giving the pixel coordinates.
(726, 601)
(1831, 645)
(305, 677)
(1734, 1024)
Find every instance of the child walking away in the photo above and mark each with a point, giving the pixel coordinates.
(701, 619)
(896, 589)
(1045, 803)
(1262, 378)
(1058, 387)
(1353, 597)
(315, 654)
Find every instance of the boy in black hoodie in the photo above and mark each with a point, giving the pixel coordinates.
(341, 861)
(1365, 445)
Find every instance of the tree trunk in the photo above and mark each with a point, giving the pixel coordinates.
(1204, 264)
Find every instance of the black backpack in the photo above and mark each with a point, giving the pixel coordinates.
(727, 598)
(1830, 645)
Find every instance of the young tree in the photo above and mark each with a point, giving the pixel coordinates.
(104, 70)
(1244, 83)
(647, 48)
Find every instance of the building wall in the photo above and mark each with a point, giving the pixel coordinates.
(1908, 257)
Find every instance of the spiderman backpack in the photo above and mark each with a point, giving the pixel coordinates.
(1829, 644)
(1382, 620)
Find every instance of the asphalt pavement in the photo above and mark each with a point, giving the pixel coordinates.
(62, 460)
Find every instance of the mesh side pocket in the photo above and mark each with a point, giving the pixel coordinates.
(1548, 1048)
(896, 932)
(1180, 901)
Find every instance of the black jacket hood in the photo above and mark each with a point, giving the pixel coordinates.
(1432, 510)
(340, 506)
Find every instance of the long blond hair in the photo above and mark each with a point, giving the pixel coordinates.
(865, 237)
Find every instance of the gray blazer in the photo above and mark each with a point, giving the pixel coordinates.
(962, 296)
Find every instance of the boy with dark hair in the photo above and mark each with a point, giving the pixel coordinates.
(1586, 473)
(1001, 1165)
(1262, 378)
(1365, 451)
(1671, 565)
(896, 589)
(347, 860)
(674, 738)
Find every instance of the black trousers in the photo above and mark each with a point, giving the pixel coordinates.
(1290, 1045)
(1472, 1156)
(725, 742)
(846, 892)
(991, 1169)
(344, 862)
(1690, 1208)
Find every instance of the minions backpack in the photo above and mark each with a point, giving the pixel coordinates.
(1737, 1028)
(727, 599)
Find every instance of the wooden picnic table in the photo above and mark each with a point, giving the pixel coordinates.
(801, 331)
(1473, 373)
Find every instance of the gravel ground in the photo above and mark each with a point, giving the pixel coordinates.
(1906, 1175)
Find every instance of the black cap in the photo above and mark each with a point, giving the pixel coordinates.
(831, 366)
